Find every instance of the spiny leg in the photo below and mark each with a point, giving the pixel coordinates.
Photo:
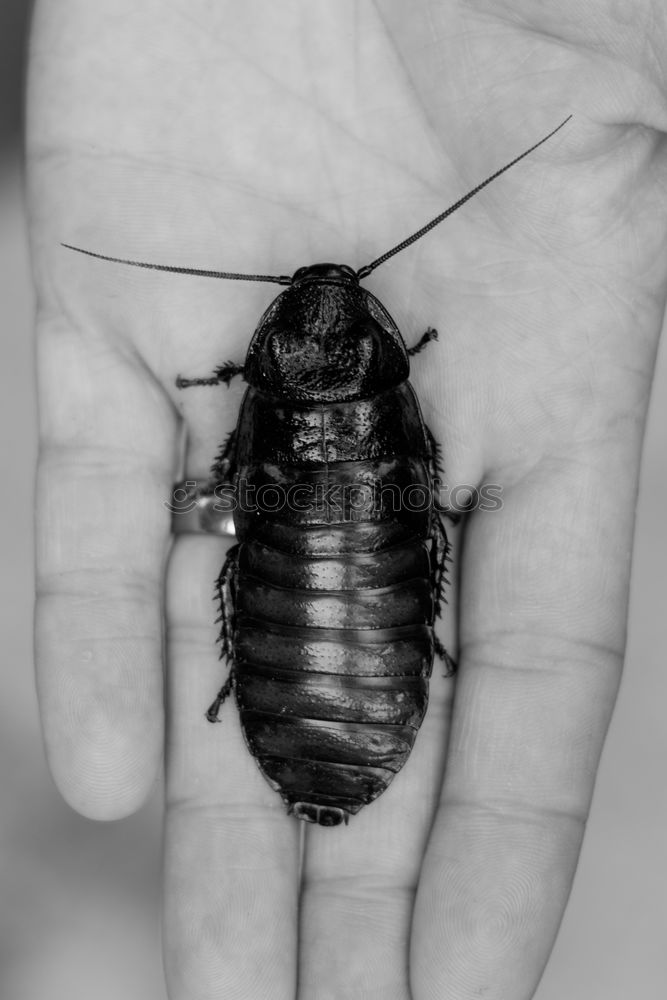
(224, 464)
(225, 585)
(440, 557)
(425, 339)
(442, 654)
(436, 470)
(440, 553)
(441, 550)
(435, 454)
(213, 710)
(222, 374)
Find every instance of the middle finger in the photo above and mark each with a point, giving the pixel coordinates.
(359, 881)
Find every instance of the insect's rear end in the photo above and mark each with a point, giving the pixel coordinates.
(330, 712)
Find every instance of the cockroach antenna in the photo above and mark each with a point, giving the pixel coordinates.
(363, 272)
(276, 279)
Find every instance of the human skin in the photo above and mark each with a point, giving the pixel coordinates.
(262, 137)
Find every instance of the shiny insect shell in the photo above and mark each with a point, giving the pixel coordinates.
(327, 604)
(329, 597)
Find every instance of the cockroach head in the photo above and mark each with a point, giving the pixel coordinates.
(326, 338)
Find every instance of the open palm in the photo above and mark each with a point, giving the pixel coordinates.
(263, 137)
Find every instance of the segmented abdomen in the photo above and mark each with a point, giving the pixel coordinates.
(333, 643)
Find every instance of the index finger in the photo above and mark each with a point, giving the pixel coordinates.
(105, 468)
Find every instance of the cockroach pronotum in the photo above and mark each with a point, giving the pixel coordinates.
(328, 599)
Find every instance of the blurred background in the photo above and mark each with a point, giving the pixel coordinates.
(79, 901)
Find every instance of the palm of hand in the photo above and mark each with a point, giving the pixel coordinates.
(311, 138)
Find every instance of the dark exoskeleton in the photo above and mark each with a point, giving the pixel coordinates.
(329, 598)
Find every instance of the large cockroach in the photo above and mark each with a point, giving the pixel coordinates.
(328, 599)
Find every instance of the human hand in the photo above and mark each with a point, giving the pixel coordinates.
(261, 139)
